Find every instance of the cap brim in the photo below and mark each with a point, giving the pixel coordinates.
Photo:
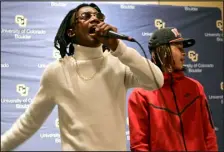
(186, 42)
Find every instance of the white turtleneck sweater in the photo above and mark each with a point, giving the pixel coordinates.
(91, 112)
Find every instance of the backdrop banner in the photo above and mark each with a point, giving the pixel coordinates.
(28, 30)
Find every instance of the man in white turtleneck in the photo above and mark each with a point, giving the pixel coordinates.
(88, 84)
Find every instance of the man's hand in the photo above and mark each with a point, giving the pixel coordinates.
(101, 29)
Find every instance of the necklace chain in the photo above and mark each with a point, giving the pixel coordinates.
(93, 75)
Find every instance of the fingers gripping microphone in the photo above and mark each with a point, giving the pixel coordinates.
(112, 34)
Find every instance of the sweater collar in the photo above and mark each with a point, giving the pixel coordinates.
(87, 53)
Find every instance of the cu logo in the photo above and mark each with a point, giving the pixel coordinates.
(56, 54)
(193, 56)
(21, 20)
(219, 25)
(159, 23)
(127, 121)
(22, 90)
(57, 123)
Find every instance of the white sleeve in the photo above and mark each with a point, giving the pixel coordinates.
(138, 73)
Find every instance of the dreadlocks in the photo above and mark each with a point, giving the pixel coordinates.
(62, 40)
(162, 57)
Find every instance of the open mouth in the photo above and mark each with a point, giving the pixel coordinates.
(92, 30)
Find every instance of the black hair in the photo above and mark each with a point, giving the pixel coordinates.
(62, 41)
(163, 58)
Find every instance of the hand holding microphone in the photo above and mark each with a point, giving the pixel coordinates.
(108, 35)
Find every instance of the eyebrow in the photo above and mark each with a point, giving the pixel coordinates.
(88, 12)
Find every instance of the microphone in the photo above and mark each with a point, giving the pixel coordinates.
(112, 34)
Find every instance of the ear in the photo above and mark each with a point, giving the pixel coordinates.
(71, 32)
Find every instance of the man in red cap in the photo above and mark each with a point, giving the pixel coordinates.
(175, 117)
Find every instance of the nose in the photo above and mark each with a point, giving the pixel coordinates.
(94, 18)
(184, 53)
